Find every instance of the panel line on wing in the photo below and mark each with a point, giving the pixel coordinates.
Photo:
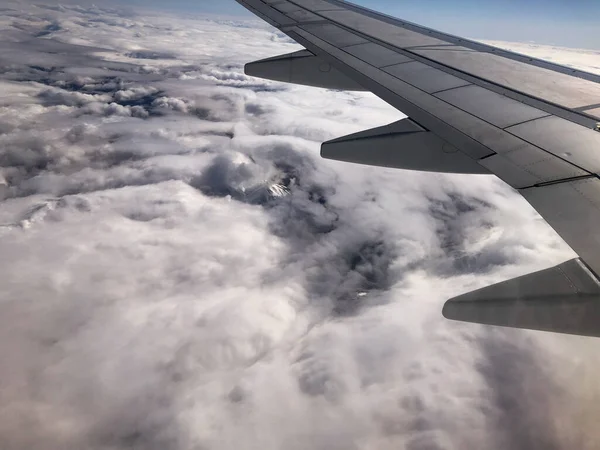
(525, 121)
(395, 64)
(587, 107)
(424, 77)
(564, 180)
(310, 22)
(448, 89)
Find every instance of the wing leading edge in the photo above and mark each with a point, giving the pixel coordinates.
(472, 108)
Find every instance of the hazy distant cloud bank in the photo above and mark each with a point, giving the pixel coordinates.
(180, 270)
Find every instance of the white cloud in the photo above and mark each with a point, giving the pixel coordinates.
(181, 270)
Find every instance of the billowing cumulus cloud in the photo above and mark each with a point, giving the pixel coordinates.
(179, 269)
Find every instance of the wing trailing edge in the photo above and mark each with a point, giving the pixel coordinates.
(562, 299)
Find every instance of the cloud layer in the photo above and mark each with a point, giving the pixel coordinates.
(180, 270)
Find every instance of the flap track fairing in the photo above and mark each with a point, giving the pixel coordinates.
(401, 145)
(303, 68)
(563, 299)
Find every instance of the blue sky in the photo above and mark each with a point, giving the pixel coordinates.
(567, 23)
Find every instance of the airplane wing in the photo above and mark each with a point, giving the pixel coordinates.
(472, 108)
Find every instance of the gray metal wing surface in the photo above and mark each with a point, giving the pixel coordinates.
(472, 108)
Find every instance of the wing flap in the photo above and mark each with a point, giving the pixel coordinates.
(563, 299)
